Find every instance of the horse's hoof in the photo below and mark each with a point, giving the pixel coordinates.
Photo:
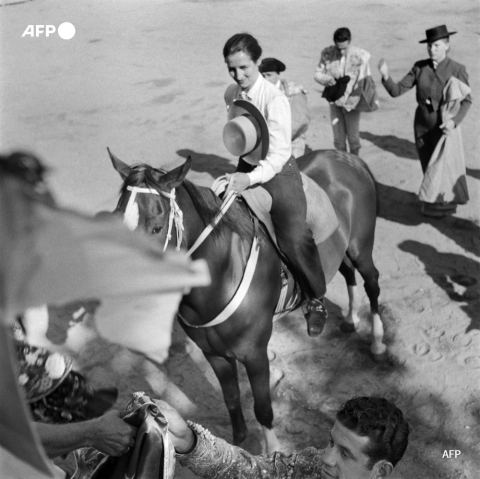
(380, 358)
(347, 328)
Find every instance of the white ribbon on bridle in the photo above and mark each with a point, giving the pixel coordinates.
(131, 214)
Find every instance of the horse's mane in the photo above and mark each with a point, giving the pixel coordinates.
(207, 204)
(204, 200)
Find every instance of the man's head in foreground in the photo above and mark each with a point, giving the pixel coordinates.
(367, 440)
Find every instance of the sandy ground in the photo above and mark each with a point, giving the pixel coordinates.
(146, 78)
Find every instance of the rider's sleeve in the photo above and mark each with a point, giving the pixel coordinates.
(279, 120)
(214, 458)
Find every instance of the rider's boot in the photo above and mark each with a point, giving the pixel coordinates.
(316, 315)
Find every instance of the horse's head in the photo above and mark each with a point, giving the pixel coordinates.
(147, 198)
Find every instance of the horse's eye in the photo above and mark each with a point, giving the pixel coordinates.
(156, 230)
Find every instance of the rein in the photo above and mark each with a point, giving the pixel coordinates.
(175, 215)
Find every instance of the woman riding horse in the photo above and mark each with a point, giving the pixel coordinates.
(271, 164)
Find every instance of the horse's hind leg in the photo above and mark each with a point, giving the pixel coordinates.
(351, 320)
(226, 371)
(364, 264)
(257, 366)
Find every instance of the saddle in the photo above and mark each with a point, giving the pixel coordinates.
(321, 217)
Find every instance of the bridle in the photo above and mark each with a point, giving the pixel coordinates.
(175, 215)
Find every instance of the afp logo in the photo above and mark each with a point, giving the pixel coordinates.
(66, 31)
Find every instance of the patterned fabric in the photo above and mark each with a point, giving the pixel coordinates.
(290, 88)
(355, 66)
(297, 96)
(55, 393)
(152, 456)
(214, 458)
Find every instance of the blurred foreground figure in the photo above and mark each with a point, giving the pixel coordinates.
(443, 97)
(50, 255)
(369, 437)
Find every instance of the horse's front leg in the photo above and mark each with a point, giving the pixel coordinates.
(226, 371)
(257, 366)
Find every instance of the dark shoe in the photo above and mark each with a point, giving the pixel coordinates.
(316, 315)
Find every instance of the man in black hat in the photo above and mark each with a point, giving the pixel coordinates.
(430, 77)
(271, 68)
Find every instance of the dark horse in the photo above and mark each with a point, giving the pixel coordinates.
(245, 335)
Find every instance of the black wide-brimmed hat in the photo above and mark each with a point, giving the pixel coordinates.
(247, 131)
(271, 65)
(436, 33)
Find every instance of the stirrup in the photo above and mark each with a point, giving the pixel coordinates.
(316, 315)
(314, 305)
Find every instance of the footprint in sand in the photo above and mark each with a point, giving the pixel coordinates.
(433, 332)
(421, 349)
(462, 340)
(472, 362)
(424, 349)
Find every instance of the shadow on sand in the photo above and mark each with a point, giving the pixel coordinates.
(402, 148)
(393, 144)
(403, 207)
(453, 273)
(209, 163)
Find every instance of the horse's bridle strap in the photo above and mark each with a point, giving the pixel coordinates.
(175, 215)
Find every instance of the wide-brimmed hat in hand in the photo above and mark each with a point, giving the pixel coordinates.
(436, 33)
(247, 131)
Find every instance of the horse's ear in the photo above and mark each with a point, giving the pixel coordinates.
(174, 178)
(119, 165)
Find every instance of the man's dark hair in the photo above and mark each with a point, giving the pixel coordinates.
(342, 35)
(382, 422)
(243, 42)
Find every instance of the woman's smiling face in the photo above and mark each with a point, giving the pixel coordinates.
(243, 69)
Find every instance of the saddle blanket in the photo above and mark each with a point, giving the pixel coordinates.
(321, 217)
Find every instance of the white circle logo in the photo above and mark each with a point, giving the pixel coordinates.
(66, 31)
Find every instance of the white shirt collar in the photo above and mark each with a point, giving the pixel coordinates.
(250, 94)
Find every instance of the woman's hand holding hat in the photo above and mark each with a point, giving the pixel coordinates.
(237, 182)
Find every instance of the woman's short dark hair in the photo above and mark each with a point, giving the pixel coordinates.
(342, 35)
(379, 420)
(243, 42)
